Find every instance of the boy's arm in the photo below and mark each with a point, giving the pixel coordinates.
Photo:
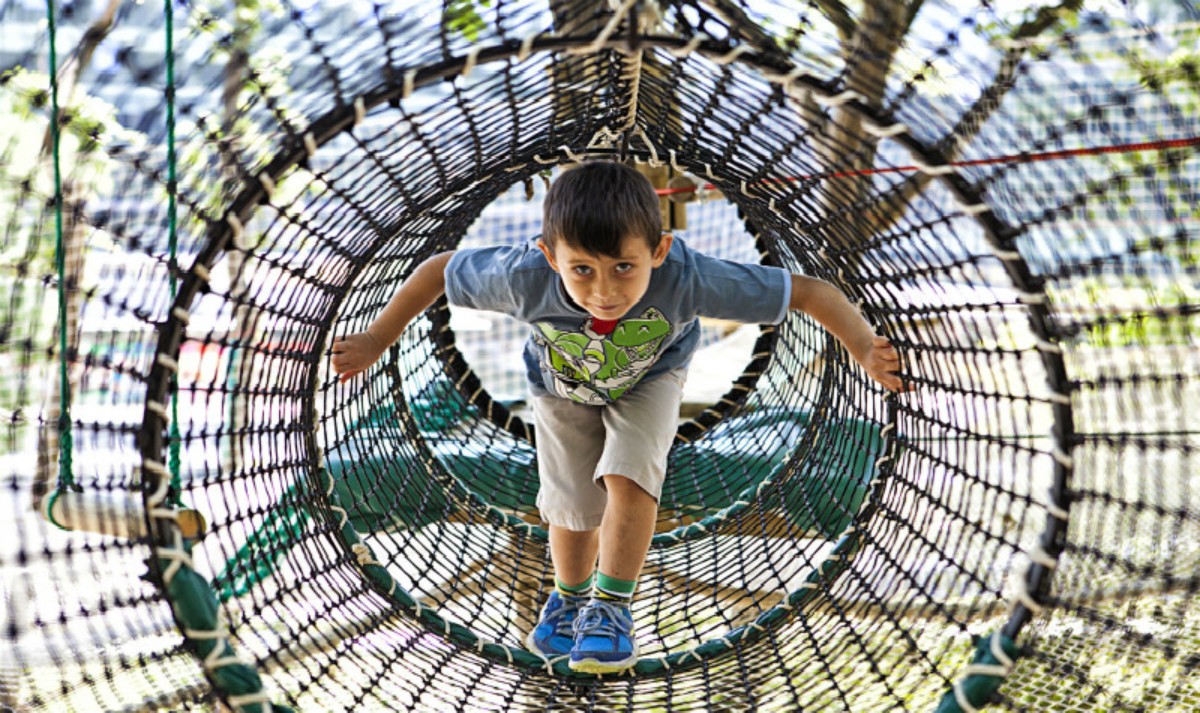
(826, 304)
(355, 353)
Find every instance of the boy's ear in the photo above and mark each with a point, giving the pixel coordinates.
(664, 247)
(548, 253)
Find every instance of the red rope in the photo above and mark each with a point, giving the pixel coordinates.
(1011, 158)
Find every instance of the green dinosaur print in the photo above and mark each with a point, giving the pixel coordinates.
(595, 368)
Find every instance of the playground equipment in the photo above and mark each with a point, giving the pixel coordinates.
(1010, 198)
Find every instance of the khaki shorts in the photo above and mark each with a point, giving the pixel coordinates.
(578, 444)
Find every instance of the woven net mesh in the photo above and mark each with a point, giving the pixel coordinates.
(1010, 196)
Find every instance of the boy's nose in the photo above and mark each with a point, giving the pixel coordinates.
(604, 288)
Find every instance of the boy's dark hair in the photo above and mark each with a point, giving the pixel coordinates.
(594, 206)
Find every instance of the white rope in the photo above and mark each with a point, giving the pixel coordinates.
(235, 225)
(884, 132)
(973, 209)
(1031, 298)
(604, 138)
(931, 170)
(248, 699)
(1048, 346)
(1053, 508)
(342, 512)
(363, 554)
(609, 28)
(998, 650)
(985, 669)
(167, 363)
(158, 409)
(472, 58)
(785, 80)
(961, 698)
(690, 47)
(633, 74)
(1025, 597)
(466, 375)
(1059, 397)
(214, 659)
(526, 47)
(654, 161)
(839, 99)
(1042, 557)
(678, 168)
(732, 54)
(177, 556)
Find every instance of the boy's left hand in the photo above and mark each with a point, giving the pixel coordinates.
(882, 363)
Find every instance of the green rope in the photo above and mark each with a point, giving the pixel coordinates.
(173, 461)
(66, 478)
(994, 658)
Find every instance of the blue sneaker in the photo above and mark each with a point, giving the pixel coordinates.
(604, 640)
(554, 634)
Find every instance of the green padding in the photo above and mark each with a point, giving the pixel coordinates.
(195, 606)
(257, 558)
(834, 480)
(978, 688)
(822, 497)
(383, 486)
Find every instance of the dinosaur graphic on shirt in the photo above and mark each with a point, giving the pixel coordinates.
(593, 368)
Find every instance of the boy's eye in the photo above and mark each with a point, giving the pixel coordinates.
(624, 267)
(582, 270)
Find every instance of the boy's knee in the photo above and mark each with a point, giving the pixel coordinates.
(619, 486)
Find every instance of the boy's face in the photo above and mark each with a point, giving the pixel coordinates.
(607, 287)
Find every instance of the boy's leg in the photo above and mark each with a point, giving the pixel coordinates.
(626, 529)
(573, 553)
(639, 428)
(570, 438)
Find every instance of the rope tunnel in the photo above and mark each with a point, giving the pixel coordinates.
(1010, 198)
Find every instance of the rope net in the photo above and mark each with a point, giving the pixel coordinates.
(1009, 195)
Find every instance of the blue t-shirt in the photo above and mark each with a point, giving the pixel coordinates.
(565, 357)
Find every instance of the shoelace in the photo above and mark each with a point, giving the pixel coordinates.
(600, 618)
(563, 627)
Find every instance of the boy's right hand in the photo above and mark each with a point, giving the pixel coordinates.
(352, 355)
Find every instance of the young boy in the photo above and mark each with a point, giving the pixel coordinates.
(613, 303)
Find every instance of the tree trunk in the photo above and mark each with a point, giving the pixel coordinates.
(878, 34)
(243, 332)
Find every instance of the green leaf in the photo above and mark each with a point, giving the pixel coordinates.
(462, 17)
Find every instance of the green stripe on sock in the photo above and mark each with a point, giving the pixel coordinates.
(612, 588)
(574, 590)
